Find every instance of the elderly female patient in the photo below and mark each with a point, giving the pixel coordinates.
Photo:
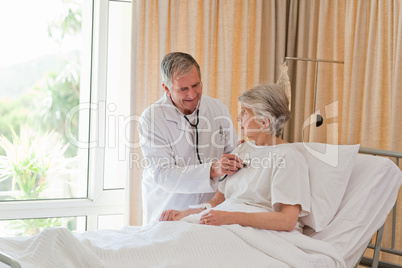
(272, 189)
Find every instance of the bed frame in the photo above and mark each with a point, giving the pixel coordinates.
(8, 260)
(364, 261)
(376, 246)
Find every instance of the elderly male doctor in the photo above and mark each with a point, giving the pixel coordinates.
(185, 138)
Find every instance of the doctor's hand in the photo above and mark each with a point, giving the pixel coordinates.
(175, 215)
(228, 164)
(171, 215)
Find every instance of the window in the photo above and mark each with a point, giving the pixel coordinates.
(64, 97)
(118, 85)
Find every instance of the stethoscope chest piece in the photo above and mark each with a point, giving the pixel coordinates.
(246, 163)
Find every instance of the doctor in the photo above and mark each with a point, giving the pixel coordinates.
(185, 138)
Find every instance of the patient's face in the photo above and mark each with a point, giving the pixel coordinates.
(250, 125)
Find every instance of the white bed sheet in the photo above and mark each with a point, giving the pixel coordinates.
(172, 244)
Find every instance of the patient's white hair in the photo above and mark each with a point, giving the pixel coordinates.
(268, 101)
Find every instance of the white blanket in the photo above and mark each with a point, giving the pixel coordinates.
(171, 244)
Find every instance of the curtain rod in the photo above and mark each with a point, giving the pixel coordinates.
(319, 117)
(307, 59)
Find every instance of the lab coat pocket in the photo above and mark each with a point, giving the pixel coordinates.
(218, 137)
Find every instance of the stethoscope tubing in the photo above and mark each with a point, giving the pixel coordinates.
(196, 133)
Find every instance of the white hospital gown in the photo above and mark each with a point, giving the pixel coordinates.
(275, 175)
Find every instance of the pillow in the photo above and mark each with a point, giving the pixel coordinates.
(330, 167)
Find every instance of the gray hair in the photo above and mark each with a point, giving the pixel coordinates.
(268, 101)
(177, 64)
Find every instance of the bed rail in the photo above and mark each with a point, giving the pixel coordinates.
(377, 247)
(4, 258)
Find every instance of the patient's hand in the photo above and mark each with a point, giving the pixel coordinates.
(217, 217)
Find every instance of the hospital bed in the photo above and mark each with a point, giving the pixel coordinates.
(362, 189)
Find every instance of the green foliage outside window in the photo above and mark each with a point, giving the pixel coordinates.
(32, 136)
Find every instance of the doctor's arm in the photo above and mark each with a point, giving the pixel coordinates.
(175, 174)
(175, 215)
(170, 172)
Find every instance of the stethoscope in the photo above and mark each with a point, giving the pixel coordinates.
(195, 126)
(246, 163)
(196, 133)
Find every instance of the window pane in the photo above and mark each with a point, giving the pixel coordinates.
(118, 94)
(29, 227)
(41, 87)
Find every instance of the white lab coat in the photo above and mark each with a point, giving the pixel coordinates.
(172, 176)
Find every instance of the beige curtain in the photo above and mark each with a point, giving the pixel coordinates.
(359, 100)
(315, 31)
(372, 96)
(373, 89)
(241, 43)
(238, 44)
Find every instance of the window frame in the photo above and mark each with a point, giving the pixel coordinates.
(99, 201)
